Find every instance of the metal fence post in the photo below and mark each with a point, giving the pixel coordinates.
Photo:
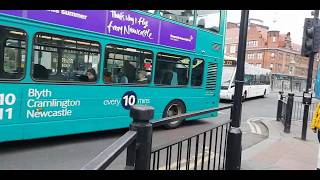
(279, 109)
(287, 122)
(141, 123)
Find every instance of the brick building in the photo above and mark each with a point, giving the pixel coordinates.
(271, 50)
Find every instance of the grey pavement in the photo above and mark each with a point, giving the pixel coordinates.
(282, 151)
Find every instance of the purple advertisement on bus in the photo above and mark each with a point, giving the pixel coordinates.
(177, 36)
(91, 20)
(121, 23)
(132, 25)
(13, 12)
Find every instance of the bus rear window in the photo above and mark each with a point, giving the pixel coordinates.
(64, 59)
(12, 53)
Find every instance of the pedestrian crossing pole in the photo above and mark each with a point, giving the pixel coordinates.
(310, 47)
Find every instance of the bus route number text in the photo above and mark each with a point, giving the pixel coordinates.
(129, 99)
(8, 100)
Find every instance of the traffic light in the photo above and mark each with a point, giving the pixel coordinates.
(307, 40)
(311, 37)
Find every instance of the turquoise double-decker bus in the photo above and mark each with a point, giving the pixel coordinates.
(74, 71)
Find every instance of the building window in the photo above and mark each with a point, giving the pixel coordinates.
(280, 55)
(273, 39)
(259, 55)
(183, 16)
(252, 43)
(232, 49)
(208, 19)
(272, 55)
(258, 65)
(251, 55)
(291, 69)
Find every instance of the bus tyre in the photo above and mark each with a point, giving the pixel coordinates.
(265, 93)
(175, 107)
(244, 97)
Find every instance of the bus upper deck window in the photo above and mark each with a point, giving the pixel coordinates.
(208, 19)
(183, 16)
(12, 53)
(149, 11)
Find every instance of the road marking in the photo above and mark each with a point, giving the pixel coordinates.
(258, 130)
(183, 162)
(251, 127)
(255, 128)
(221, 112)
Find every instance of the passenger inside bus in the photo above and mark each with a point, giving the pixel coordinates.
(40, 72)
(169, 78)
(107, 77)
(142, 77)
(121, 77)
(90, 76)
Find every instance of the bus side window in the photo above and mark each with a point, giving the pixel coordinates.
(127, 65)
(248, 79)
(65, 59)
(172, 69)
(197, 72)
(13, 53)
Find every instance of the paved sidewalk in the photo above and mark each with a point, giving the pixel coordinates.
(282, 151)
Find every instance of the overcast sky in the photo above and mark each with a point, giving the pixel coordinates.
(282, 20)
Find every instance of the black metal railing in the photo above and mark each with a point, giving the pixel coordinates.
(138, 142)
(105, 158)
(284, 111)
(298, 108)
(203, 151)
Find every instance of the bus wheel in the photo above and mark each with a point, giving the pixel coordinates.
(174, 108)
(244, 97)
(265, 93)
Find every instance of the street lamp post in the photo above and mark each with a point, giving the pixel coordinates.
(234, 148)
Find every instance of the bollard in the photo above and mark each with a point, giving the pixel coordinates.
(287, 123)
(141, 123)
(279, 109)
(234, 149)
